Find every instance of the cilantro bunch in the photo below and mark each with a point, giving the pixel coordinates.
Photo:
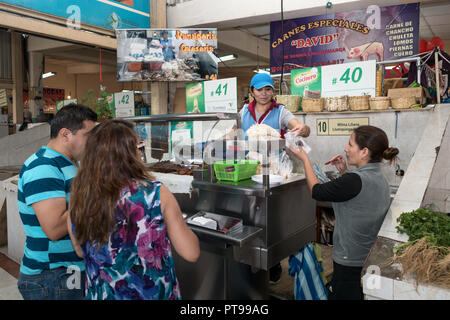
(426, 223)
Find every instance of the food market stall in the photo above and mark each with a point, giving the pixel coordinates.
(255, 225)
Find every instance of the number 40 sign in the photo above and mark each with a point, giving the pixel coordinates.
(353, 79)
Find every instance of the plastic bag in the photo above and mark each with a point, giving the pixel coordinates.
(307, 270)
(285, 165)
(294, 140)
(320, 175)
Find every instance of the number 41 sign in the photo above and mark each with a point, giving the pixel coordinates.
(221, 95)
(353, 79)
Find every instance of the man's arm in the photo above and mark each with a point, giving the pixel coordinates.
(75, 243)
(52, 216)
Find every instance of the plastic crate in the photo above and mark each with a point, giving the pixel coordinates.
(231, 170)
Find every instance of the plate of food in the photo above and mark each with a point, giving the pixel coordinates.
(273, 179)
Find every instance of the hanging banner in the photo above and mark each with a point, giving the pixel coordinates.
(166, 54)
(375, 33)
(109, 14)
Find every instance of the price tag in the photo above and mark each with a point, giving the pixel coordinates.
(221, 95)
(124, 103)
(353, 79)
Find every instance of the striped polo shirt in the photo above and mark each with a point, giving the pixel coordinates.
(46, 174)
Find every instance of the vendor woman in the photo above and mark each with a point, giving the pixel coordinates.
(360, 200)
(265, 110)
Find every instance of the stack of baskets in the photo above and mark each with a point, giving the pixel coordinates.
(312, 104)
(292, 102)
(379, 103)
(403, 102)
(336, 103)
(358, 103)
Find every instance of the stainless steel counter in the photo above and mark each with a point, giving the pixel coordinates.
(278, 221)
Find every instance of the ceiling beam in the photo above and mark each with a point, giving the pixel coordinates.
(244, 43)
(83, 68)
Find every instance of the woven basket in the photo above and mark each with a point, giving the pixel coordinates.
(292, 102)
(312, 104)
(358, 103)
(336, 103)
(402, 103)
(379, 103)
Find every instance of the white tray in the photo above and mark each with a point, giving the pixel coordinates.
(273, 179)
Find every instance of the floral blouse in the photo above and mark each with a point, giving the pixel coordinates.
(137, 261)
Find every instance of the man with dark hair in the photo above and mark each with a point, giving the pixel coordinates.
(50, 268)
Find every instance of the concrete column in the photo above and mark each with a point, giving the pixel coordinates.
(159, 96)
(17, 77)
(35, 92)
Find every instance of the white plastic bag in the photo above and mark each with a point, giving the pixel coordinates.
(294, 140)
(285, 165)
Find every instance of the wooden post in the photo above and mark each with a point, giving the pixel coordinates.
(436, 69)
(17, 76)
(159, 90)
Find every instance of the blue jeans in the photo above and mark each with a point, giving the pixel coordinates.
(56, 284)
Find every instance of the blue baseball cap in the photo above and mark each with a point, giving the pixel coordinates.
(261, 80)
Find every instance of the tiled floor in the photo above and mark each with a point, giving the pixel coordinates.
(9, 271)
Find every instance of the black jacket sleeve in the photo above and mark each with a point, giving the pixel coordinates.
(341, 189)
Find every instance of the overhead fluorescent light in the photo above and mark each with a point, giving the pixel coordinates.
(48, 74)
(262, 71)
(227, 58)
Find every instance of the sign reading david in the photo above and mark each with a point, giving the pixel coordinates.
(374, 33)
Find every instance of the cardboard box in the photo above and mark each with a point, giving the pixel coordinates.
(407, 92)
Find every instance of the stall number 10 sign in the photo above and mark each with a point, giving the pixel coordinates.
(353, 79)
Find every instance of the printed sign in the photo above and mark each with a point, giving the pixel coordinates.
(166, 54)
(110, 14)
(352, 79)
(212, 96)
(221, 95)
(339, 126)
(306, 82)
(379, 33)
(181, 132)
(60, 104)
(195, 98)
(124, 104)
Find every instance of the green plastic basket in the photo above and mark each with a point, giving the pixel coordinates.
(231, 170)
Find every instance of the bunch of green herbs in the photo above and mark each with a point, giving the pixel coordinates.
(426, 223)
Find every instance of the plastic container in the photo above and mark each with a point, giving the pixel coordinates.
(231, 170)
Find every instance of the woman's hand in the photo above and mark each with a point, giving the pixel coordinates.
(300, 153)
(303, 129)
(339, 162)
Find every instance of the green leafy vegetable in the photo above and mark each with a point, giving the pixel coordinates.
(426, 223)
